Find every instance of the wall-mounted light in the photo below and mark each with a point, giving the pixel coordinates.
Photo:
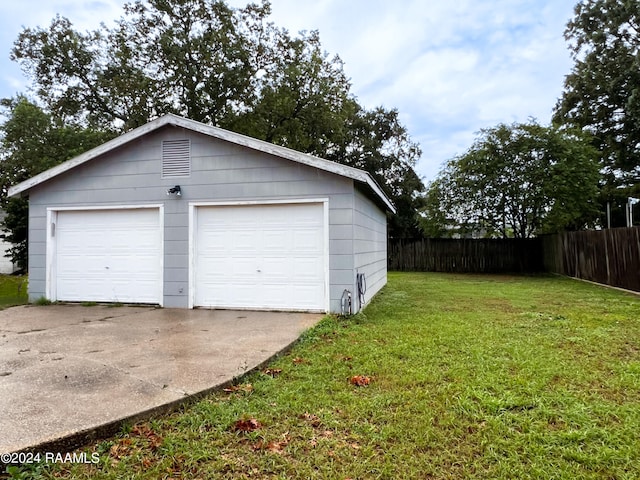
(175, 191)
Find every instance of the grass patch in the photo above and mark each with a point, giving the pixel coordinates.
(13, 290)
(43, 302)
(468, 376)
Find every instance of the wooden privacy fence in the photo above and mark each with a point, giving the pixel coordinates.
(611, 257)
(608, 256)
(466, 255)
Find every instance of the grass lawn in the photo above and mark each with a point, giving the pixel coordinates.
(13, 290)
(491, 377)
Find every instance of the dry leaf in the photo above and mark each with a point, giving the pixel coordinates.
(247, 425)
(243, 387)
(273, 446)
(276, 447)
(272, 372)
(120, 449)
(360, 380)
(299, 360)
(314, 420)
(143, 430)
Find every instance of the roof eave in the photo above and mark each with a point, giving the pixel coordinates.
(216, 132)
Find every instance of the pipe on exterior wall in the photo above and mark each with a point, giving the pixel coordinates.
(345, 303)
(361, 284)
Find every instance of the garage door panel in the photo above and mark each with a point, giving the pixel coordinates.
(108, 255)
(281, 266)
(278, 291)
(76, 286)
(274, 257)
(241, 240)
(240, 267)
(305, 294)
(216, 265)
(305, 267)
(272, 240)
(224, 295)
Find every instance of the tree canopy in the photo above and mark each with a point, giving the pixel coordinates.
(518, 181)
(224, 66)
(602, 92)
(32, 142)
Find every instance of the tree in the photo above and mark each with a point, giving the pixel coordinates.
(33, 142)
(377, 142)
(303, 101)
(602, 92)
(223, 66)
(517, 180)
(196, 58)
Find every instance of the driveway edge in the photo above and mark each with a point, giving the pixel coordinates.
(83, 438)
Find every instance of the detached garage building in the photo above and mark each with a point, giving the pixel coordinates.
(182, 214)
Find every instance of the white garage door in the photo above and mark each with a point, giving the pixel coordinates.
(260, 256)
(108, 255)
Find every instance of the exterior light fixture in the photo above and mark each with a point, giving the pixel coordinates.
(175, 191)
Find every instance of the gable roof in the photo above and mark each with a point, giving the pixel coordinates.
(216, 132)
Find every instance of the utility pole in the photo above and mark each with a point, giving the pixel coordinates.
(630, 203)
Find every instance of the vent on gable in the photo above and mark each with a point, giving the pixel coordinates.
(176, 158)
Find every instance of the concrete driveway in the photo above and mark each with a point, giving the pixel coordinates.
(70, 374)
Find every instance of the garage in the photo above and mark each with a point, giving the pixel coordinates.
(188, 215)
(106, 255)
(264, 256)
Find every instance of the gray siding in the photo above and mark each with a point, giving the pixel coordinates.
(221, 171)
(369, 244)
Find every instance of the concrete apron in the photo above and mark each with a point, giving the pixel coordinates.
(71, 374)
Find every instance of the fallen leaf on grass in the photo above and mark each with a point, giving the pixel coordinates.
(117, 450)
(144, 430)
(121, 449)
(314, 420)
(243, 387)
(299, 360)
(360, 380)
(276, 447)
(272, 446)
(272, 372)
(247, 425)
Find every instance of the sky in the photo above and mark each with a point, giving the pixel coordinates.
(450, 67)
